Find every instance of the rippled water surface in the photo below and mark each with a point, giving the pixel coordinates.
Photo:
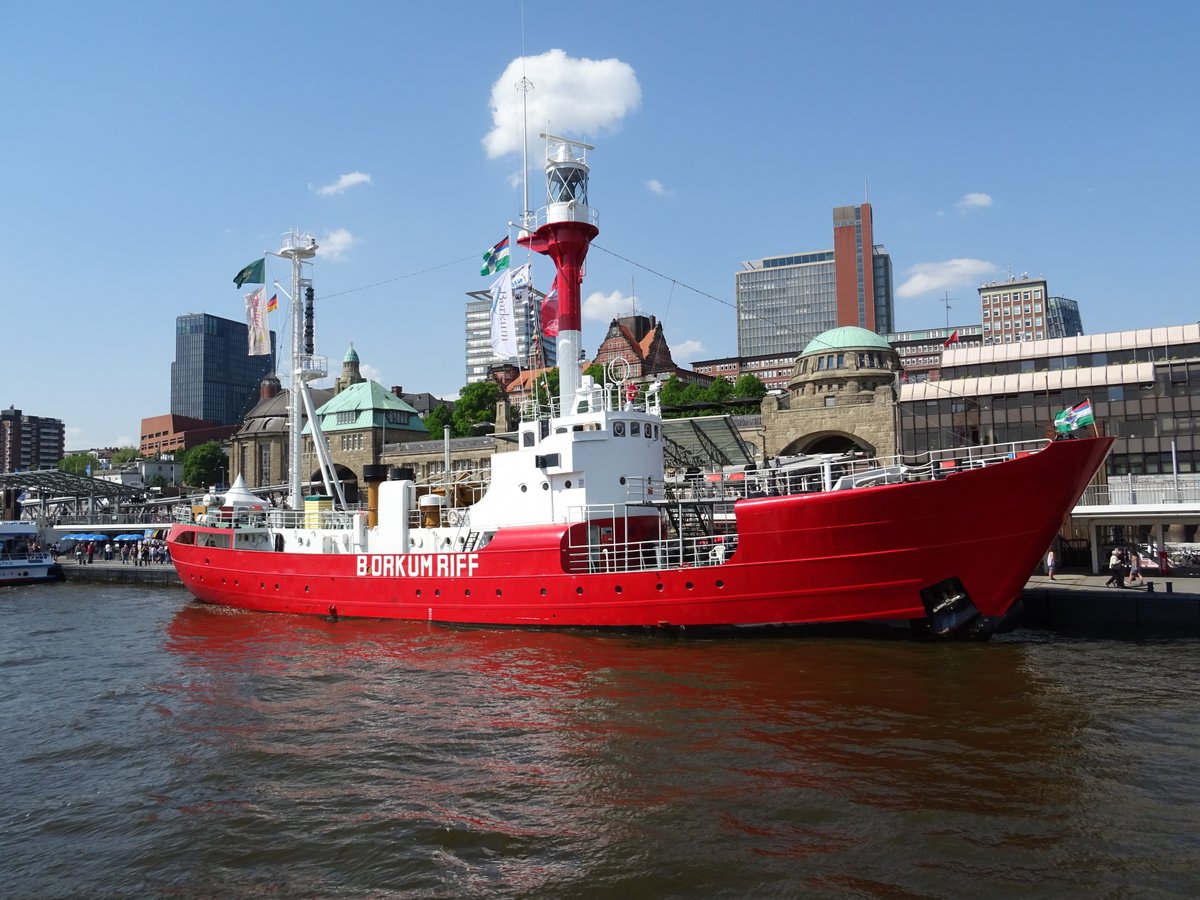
(155, 747)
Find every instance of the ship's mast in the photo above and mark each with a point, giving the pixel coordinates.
(568, 225)
(298, 247)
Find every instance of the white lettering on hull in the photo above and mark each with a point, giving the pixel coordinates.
(417, 565)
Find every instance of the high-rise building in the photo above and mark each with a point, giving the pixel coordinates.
(783, 302)
(214, 377)
(1014, 310)
(533, 350)
(1062, 318)
(29, 442)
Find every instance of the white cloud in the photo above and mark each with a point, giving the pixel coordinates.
(335, 245)
(571, 97)
(346, 181)
(655, 186)
(687, 351)
(969, 202)
(926, 278)
(369, 372)
(126, 441)
(600, 307)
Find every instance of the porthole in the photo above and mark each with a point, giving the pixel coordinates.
(567, 483)
(437, 592)
(720, 583)
(688, 585)
(579, 590)
(545, 485)
(499, 592)
(621, 480)
(659, 586)
(467, 592)
(617, 589)
(524, 489)
(418, 592)
(543, 592)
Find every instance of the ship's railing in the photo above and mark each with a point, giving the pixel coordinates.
(842, 472)
(675, 552)
(608, 397)
(20, 558)
(255, 517)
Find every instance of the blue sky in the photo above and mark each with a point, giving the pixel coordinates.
(150, 150)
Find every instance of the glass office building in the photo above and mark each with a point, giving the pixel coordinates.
(1144, 387)
(533, 349)
(783, 302)
(213, 376)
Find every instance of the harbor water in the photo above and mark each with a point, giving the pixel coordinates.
(156, 747)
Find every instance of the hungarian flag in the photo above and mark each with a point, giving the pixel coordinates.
(273, 303)
(1075, 417)
(953, 339)
(495, 259)
(251, 273)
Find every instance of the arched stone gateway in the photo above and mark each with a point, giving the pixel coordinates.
(827, 442)
(348, 478)
(842, 396)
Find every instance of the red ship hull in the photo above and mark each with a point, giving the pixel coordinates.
(912, 551)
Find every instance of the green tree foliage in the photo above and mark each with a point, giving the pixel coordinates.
(677, 397)
(123, 455)
(205, 465)
(547, 386)
(76, 463)
(749, 387)
(437, 419)
(476, 404)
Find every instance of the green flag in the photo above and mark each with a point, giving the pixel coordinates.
(1074, 417)
(495, 259)
(252, 273)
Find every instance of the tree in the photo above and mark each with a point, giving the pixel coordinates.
(476, 403)
(437, 419)
(677, 396)
(547, 386)
(76, 463)
(205, 465)
(749, 387)
(123, 455)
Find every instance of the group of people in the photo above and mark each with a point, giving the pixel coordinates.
(1120, 568)
(140, 553)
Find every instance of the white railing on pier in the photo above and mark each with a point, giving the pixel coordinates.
(1122, 493)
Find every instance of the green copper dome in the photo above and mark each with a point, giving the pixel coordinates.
(351, 355)
(847, 337)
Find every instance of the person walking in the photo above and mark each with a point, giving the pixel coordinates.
(1051, 563)
(1114, 570)
(1135, 567)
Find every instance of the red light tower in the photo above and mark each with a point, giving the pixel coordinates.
(565, 228)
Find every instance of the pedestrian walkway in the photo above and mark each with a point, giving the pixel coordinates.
(1185, 585)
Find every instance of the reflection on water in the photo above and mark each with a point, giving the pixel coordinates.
(253, 753)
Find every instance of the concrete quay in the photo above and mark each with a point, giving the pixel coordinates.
(1079, 603)
(1074, 603)
(101, 571)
